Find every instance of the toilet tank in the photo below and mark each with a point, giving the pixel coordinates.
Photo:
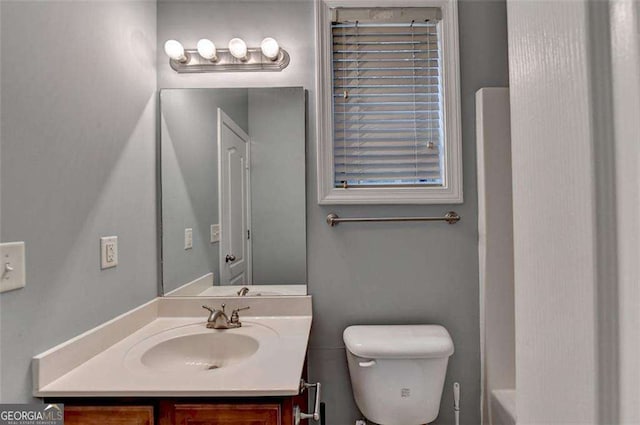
(398, 371)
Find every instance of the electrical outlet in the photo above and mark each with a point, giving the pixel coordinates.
(215, 233)
(12, 269)
(108, 252)
(188, 238)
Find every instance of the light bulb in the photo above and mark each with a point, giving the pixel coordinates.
(207, 49)
(270, 48)
(238, 48)
(175, 51)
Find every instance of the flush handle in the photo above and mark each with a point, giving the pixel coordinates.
(367, 364)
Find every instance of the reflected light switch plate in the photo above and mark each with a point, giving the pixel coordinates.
(12, 266)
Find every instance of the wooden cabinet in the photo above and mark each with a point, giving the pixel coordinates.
(220, 414)
(187, 411)
(108, 415)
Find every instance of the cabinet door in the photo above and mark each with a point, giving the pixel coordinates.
(108, 415)
(288, 406)
(220, 414)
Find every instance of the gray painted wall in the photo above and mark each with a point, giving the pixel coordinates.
(368, 273)
(78, 162)
(278, 215)
(189, 136)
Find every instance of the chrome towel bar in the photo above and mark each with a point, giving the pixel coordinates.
(451, 217)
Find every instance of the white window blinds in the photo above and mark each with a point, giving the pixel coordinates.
(387, 97)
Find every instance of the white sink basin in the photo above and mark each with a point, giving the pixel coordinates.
(163, 349)
(199, 352)
(196, 349)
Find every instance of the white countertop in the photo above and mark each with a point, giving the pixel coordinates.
(98, 362)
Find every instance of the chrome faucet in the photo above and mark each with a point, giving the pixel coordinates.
(218, 319)
(243, 291)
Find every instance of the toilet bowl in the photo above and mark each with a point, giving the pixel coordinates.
(398, 371)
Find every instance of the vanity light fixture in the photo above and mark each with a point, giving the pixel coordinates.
(207, 49)
(175, 51)
(236, 58)
(238, 48)
(270, 48)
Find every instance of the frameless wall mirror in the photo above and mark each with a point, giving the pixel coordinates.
(232, 183)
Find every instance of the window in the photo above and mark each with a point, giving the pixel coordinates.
(388, 102)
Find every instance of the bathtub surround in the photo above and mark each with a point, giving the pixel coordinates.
(495, 246)
(78, 163)
(369, 273)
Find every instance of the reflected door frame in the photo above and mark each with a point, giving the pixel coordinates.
(224, 216)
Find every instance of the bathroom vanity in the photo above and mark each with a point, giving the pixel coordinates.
(202, 411)
(160, 363)
(223, 244)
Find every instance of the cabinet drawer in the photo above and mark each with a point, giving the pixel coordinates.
(220, 414)
(108, 415)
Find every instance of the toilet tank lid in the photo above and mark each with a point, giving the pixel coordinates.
(398, 341)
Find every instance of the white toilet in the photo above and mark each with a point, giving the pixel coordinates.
(397, 372)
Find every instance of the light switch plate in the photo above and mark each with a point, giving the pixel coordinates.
(12, 266)
(188, 238)
(108, 252)
(215, 233)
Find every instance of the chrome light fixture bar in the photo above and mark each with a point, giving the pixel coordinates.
(269, 57)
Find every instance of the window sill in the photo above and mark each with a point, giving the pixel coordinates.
(390, 195)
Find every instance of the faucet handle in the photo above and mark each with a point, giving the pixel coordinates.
(239, 309)
(235, 317)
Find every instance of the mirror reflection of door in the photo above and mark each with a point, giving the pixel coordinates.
(235, 243)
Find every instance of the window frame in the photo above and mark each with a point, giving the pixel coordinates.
(451, 190)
